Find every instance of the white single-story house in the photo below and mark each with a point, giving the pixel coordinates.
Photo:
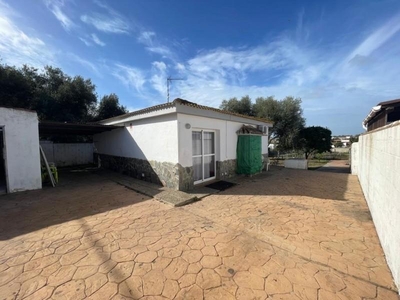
(178, 144)
(19, 150)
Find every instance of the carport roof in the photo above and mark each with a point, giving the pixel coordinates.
(52, 128)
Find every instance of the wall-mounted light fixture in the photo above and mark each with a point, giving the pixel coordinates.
(187, 126)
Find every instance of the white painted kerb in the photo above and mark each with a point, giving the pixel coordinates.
(296, 163)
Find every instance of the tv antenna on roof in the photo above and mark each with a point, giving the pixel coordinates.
(169, 80)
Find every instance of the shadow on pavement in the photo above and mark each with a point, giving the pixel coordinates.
(79, 194)
(336, 166)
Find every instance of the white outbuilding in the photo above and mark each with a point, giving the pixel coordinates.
(19, 147)
(181, 144)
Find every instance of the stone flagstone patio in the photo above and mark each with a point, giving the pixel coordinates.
(286, 234)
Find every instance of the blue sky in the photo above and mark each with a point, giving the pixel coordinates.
(340, 57)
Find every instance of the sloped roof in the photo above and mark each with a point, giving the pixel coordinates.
(179, 101)
(377, 109)
(390, 102)
(249, 130)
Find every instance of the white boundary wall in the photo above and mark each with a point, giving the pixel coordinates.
(376, 161)
(71, 154)
(22, 156)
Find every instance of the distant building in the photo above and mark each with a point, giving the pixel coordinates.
(382, 114)
(345, 139)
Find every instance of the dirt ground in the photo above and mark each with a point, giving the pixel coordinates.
(285, 234)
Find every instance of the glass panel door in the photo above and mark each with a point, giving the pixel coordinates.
(209, 154)
(208, 142)
(209, 167)
(203, 149)
(196, 143)
(197, 155)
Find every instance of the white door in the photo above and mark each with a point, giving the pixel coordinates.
(203, 147)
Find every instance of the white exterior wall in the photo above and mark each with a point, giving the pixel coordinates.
(22, 158)
(377, 164)
(154, 138)
(226, 137)
(72, 154)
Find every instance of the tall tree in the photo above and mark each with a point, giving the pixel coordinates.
(15, 90)
(314, 139)
(109, 107)
(354, 138)
(242, 106)
(75, 100)
(287, 116)
(54, 95)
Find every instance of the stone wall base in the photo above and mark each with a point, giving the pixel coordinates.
(226, 168)
(162, 173)
(166, 174)
(185, 178)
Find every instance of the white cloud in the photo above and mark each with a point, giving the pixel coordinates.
(17, 47)
(90, 40)
(223, 72)
(96, 39)
(55, 6)
(159, 78)
(285, 67)
(146, 37)
(6, 10)
(113, 23)
(160, 65)
(373, 65)
(85, 63)
(233, 63)
(85, 41)
(332, 83)
(130, 76)
(162, 50)
(180, 67)
(379, 37)
(101, 4)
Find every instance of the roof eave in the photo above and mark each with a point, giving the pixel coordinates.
(139, 115)
(178, 105)
(374, 111)
(145, 111)
(195, 109)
